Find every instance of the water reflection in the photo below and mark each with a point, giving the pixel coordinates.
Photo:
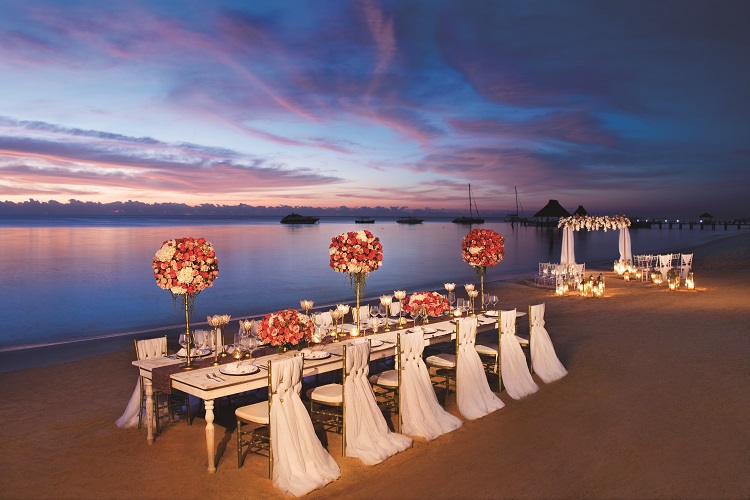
(76, 280)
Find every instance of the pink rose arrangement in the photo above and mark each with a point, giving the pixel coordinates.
(284, 328)
(185, 266)
(434, 303)
(483, 248)
(355, 252)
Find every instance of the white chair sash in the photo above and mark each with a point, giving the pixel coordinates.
(543, 356)
(421, 412)
(147, 348)
(395, 308)
(367, 435)
(301, 464)
(686, 265)
(665, 264)
(515, 372)
(475, 399)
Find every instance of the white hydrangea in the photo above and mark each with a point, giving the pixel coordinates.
(185, 275)
(165, 253)
(475, 250)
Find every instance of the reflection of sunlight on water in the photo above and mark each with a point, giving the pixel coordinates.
(82, 281)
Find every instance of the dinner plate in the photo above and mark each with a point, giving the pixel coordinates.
(194, 353)
(376, 342)
(307, 354)
(492, 314)
(425, 329)
(240, 368)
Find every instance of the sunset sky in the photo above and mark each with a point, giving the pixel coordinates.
(635, 107)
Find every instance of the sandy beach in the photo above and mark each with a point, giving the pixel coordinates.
(656, 405)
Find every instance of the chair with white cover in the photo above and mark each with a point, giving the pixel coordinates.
(492, 357)
(444, 365)
(298, 463)
(665, 264)
(686, 265)
(473, 394)
(136, 408)
(420, 413)
(366, 432)
(543, 358)
(514, 370)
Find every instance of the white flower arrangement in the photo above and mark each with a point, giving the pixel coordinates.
(592, 222)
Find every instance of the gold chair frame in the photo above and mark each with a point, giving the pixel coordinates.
(332, 416)
(447, 374)
(390, 397)
(257, 442)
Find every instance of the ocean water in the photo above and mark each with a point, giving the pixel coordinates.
(67, 279)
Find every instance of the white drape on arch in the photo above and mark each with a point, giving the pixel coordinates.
(626, 253)
(568, 254)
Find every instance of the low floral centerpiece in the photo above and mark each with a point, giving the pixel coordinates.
(285, 329)
(483, 248)
(356, 254)
(432, 303)
(185, 267)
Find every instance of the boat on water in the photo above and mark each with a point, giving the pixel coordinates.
(471, 219)
(514, 217)
(364, 220)
(299, 219)
(409, 220)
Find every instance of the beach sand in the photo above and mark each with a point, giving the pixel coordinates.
(656, 405)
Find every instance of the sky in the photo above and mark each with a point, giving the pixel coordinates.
(637, 107)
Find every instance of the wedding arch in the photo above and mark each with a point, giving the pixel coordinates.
(594, 223)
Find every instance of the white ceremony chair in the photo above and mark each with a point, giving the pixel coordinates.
(686, 266)
(419, 412)
(473, 394)
(297, 462)
(515, 372)
(544, 361)
(665, 264)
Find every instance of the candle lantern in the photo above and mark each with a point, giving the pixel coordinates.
(690, 281)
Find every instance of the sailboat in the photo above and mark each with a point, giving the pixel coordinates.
(514, 217)
(471, 219)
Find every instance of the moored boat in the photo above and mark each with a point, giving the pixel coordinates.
(364, 220)
(409, 220)
(471, 219)
(299, 219)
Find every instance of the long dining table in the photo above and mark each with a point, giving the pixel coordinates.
(209, 383)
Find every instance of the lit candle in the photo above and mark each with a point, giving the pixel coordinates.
(469, 287)
(399, 294)
(449, 286)
(354, 332)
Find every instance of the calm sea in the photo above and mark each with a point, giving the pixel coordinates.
(77, 278)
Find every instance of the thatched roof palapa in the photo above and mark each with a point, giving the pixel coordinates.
(580, 211)
(552, 209)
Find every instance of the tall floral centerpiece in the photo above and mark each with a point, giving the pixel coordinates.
(357, 254)
(483, 248)
(429, 303)
(185, 266)
(285, 329)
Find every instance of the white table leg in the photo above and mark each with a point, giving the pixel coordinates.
(149, 410)
(211, 454)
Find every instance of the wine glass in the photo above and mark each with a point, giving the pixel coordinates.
(451, 299)
(374, 312)
(252, 344)
(183, 342)
(493, 301)
(415, 313)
